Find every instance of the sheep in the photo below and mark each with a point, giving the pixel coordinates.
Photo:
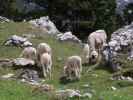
(94, 56)
(29, 53)
(97, 40)
(73, 68)
(46, 64)
(85, 54)
(43, 48)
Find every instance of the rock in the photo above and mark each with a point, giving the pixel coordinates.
(120, 46)
(68, 36)
(86, 85)
(68, 93)
(122, 77)
(129, 78)
(28, 75)
(46, 87)
(131, 55)
(7, 76)
(23, 62)
(6, 63)
(4, 19)
(89, 95)
(43, 88)
(113, 88)
(15, 40)
(46, 24)
(27, 43)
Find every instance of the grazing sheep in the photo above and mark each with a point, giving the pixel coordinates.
(85, 54)
(29, 53)
(94, 56)
(96, 41)
(73, 68)
(43, 48)
(46, 64)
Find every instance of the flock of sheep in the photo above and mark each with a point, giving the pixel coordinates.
(42, 55)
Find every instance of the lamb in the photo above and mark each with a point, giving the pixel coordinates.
(29, 53)
(85, 54)
(97, 40)
(73, 68)
(46, 64)
(43, 48)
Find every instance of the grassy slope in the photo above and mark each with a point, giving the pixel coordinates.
(12, 90)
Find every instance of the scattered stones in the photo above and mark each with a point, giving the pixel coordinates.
(68, 93)
(86, 85)
(4, 19)
(19, 41)
(23, 62)
(6, 63)
(68, 36)
(113, 88)
(46, 24)
(29, 75)
(7, 76)
(46, 87)
(89, 95)
(129, 78)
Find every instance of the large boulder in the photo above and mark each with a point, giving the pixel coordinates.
(16, 40)
(4, 19)
(23, 62)
(120, 46)
(46, 24)
(68, 36)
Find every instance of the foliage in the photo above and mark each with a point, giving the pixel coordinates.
(84, 16)
(80, 16)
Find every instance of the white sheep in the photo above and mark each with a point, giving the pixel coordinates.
(85, 54)
(43, 48)
(46, 64)
(29, 53)
(73, 67)
(96, 41)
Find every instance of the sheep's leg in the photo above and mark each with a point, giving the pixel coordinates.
(44, 70)
(49, 72)
(78, 74)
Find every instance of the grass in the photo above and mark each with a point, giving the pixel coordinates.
(98, 80)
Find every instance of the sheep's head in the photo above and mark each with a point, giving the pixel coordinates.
(94, 56)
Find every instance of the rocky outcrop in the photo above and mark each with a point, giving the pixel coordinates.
(23, 62)
(16, 40)
(68, 36)
(45, 24)
(120, 45)
(4, 19)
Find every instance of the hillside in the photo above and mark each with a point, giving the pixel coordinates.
(98, 80)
